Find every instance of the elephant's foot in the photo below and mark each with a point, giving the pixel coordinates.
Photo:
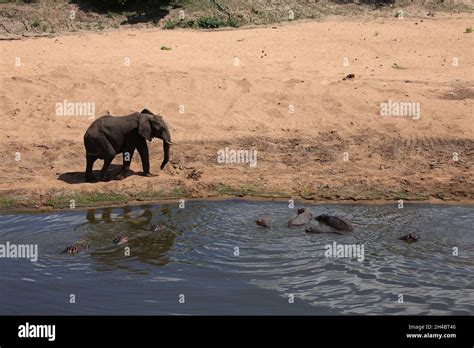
(121, 175)
(149, 175)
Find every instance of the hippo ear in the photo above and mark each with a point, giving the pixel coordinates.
(144, 126)
(146, 111)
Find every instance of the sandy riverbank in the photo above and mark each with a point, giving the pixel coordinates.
(247, 106)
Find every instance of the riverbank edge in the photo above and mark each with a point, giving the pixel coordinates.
(10, 205)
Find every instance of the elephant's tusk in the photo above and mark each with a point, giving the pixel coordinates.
(168, 142)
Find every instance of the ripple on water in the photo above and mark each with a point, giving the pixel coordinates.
(216, 249)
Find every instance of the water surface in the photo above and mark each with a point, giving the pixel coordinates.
(215, 255)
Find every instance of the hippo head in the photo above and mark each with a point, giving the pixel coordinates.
(323, 218)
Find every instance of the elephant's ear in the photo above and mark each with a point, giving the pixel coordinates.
(144, 127)
(159, 120)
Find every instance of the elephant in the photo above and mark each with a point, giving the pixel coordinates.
(108, 135)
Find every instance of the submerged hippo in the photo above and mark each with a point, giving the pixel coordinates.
(74, 249)
(119, 240)
(410, 238)
(335, 222)
(301, 219)
(158, 228)
(262, 222)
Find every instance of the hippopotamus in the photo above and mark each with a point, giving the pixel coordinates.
(410, 238)
(335, 222)
(262, 222)
(74, 249)
(119, 240)
(301, 219)
(158, 228)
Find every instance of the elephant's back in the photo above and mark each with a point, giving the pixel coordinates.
(116, 122)
(97, 124)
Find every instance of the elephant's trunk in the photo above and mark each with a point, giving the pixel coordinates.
(166, 149)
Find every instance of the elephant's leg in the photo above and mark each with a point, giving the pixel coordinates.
(142, 148)
(107, 153)
(104, 175)
(127, 160)
(90, 159)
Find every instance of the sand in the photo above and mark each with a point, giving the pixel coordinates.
(278, 90)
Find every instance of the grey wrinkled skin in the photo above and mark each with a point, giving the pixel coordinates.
(108, 136)
(301, 219)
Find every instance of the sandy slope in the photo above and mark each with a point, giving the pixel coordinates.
(246, 107)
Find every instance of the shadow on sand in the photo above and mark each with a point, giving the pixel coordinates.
(79, 178)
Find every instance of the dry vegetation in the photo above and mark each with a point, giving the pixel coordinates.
(49, 17)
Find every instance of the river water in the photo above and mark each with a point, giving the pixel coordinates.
(213, 259)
